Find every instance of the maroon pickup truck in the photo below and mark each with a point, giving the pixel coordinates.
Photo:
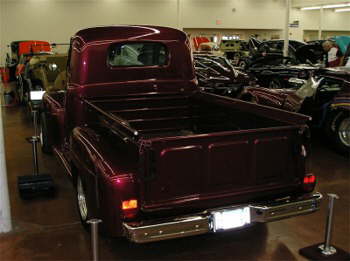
(154, 157)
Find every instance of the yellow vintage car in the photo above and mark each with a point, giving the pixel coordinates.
(46, 72)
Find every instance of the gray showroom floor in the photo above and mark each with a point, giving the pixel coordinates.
(50, 229)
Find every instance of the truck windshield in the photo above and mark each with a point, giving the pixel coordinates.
(137, 54)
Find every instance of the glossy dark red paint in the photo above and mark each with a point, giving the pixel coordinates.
(129, 133)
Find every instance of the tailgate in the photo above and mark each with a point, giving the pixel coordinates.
(230, 165)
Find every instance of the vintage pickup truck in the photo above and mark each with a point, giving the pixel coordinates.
(154, 157)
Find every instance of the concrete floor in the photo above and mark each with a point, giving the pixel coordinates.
(50, 229)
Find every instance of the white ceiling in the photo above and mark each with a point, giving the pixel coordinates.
(301, 3)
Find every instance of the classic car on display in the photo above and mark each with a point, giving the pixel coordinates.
(235, 50)
(198, 40)
(299, 51)
(210, 48)
(274, 71)
(156, 158)
(267, 63)
(44, 72)
(328, 104)
(20, 48)
(215, 74)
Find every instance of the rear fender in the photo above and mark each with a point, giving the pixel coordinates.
(338, 104)
(55, 114)
(106, 184)
(342, 103)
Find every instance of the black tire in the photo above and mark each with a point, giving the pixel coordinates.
(337, 129)
(45, 141)
(275, 83)
(82, 202)
(20, 91)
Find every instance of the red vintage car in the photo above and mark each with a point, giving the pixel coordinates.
(19, 48)
(328, 103)
(22, 52)
(156, 158)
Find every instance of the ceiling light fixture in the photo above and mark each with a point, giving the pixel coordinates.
(325, 6)
(336, 6)
(342, 10)
(311, 8)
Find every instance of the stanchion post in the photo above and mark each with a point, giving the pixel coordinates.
(5, 212)
(94, 237)
(326, 248)
(34, 142)
(325, 251)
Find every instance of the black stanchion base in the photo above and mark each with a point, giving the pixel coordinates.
(314, 253)
(33, 186)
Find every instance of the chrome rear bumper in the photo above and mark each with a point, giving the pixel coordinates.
(201, 223)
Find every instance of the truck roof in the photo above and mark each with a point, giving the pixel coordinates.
(111, 33)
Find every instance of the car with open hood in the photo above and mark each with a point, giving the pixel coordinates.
(215, 74)
(326, 98)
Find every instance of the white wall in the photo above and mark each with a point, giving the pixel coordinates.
(248, 14)
(57, 20)
(332, 21)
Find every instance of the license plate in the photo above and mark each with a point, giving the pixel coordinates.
(229, 219)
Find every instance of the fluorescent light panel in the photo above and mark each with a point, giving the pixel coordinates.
(311, 8)
(336, 6)
(342, 10)
(325, 6)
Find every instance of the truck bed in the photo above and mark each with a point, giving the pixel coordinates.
(205, 150)
(159, 116)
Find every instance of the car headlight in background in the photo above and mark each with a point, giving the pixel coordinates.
(36, 95)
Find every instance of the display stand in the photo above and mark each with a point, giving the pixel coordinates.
(94, 237)
(325, 251)
(35, 185)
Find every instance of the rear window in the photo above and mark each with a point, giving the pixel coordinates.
(138, 54)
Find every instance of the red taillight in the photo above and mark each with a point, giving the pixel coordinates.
(130, 208)
(311, 179)
(309, 182)
(129, 204)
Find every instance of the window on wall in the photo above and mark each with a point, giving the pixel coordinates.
(138, 54)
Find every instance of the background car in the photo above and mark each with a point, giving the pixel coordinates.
(24, 47)
(274, 71)
(328, 103)
(215, 74)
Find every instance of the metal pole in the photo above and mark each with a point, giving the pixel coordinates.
(94, 237)
(5, 212)
(34, 140)
(179, 14)
(326, 248)
(320, 24)
(286, 30)
(35, 122)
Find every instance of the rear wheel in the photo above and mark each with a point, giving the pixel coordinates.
(20, 90)
(337, 128)
(82, 201)
(44, 134)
